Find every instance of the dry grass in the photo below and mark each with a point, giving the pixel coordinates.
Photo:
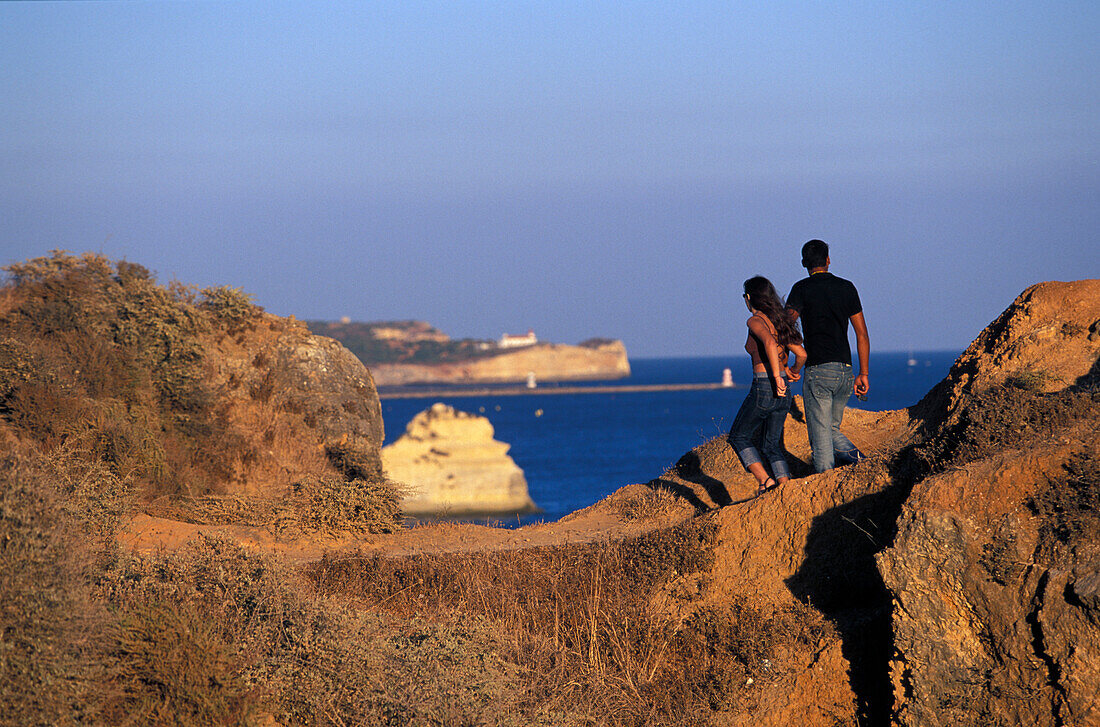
(1070, 507)
(597, 628)
(1006, 416)
(51, 665)
(319, 504)
(647, 505)
(208, 634)
(250, 643)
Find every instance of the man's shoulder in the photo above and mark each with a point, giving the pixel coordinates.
(844, 282)
(799, 286)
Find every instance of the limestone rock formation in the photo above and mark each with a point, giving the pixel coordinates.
(547, 361)
(308, 404)
(994, 567)
(451, 464)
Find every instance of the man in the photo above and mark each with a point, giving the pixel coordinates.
(827, 304)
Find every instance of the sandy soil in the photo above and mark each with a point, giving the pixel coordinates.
(686, 490)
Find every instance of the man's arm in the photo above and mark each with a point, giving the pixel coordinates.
(863, 350)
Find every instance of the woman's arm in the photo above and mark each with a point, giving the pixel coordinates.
(763, 334)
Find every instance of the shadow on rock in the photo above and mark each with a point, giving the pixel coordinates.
(839, 578)
(689, 468)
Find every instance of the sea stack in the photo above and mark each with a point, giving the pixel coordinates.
(451, 465)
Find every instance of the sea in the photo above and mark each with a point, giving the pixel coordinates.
(577, 448)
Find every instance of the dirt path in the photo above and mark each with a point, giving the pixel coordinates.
(706, 478)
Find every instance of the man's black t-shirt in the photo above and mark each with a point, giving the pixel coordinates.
(825, 303)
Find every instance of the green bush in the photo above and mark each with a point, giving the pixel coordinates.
(96, 356)
(230, 305)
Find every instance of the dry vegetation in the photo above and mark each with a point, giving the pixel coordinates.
(1006, 415)
(213, 634)
(96, 356)
(605, 633)
(106, 408)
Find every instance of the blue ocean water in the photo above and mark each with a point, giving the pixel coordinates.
(576, 449)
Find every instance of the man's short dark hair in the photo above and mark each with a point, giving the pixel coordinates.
(815, 254)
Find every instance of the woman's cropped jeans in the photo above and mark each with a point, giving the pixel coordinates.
(761, 409)
(825, 391)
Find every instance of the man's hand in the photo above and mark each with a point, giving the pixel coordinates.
(793, 375)
(863, 385)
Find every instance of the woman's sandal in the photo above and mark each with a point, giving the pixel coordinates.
(764, 486)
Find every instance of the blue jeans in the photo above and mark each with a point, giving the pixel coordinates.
(761, 409)
(825, 392)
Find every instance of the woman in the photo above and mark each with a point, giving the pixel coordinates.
(773, 337)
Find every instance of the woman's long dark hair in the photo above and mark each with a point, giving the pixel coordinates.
(762, 297)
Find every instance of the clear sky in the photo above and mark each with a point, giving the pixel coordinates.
(583, 169)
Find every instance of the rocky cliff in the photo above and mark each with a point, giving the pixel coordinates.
(958, 564)
(450, 464)
(414, 352)
(995, 569)
(547, 361)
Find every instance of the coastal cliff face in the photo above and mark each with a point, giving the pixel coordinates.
(547, 361)
(414, 352)
(957, 564)
(995, 566)
(451, 464)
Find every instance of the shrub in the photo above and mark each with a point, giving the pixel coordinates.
(51, 664)
(96, 356)
(331, 504)
(172, 667)
(230, 305)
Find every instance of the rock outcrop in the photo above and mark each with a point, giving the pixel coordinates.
(1047, 339)
(958, 564)
(451, 464)
(305, 402)
(994, 567)
(547, 361)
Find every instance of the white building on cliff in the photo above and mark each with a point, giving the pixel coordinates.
(510, 341)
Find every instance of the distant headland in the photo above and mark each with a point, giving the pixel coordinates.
(414, 352)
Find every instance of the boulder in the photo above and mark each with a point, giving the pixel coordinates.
(304, 404)
(451, 464)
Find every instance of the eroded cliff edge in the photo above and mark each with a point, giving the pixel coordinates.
(958, 564)
(413, 352)
(995, 568)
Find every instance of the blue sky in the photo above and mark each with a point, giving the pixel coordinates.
(583, 169)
